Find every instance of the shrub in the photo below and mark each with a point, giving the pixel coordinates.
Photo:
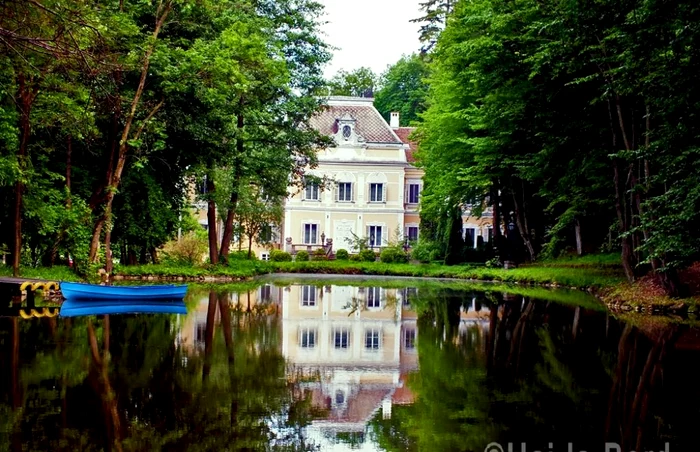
(494, 263)
(355, 258)
(342, 255)
(320, 255)
(189, 250)
(302, 256)
(280, 256)
(242, 256)
(426, 252)
(367, 255)
(393, 255)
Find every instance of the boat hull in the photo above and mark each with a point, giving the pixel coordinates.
(76, 308)
(80, 291)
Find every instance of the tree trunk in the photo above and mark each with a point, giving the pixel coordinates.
(69, 169)
(621, 209)
(211, 219)
(579, 241)
(161, 15)
(132, 256)
(520, 220)
(26, 99)
(495, 202)
(225, 311)
(209, 336)
(15, 386)
(108, 246)
(228, 225)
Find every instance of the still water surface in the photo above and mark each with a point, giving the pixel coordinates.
(316, 365)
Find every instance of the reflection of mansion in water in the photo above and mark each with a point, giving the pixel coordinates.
(352, 347)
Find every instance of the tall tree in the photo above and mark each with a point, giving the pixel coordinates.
(404, 89)
(433, 21)
(361, 82)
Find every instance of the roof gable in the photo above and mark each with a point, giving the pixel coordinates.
(369, 124)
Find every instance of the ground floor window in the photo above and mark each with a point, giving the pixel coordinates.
(374, 297)
(310, 233)
(265, 293)
(409, 339)
(469, 237)
(373, 339)
(307, 338)
(374, 235)
(412, 233)
(341, 338)
(308, 295)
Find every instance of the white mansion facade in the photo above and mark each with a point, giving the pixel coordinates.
(375, 189)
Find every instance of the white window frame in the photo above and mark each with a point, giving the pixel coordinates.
(312, 192)
(265, 293)
(374, 196)
(408, 235)
(374, 298)
(313, 233)
(307, 338)
(348, 186)
(308, 296)
(409, 339)
(265, 256)
(408, 294)
(341, 338)
(373, 339)
(372, 231)
(409, 193)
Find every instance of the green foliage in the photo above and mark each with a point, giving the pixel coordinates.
(359, 83)
(319, 254)
(356, 242)
(393, 254)
(302, 256)
(570, 121)
(404, 89)
(189, 250)
(355, 258)
(426, 251)
(367, 255)
(242, 256)
(342, 255)
(280, 256)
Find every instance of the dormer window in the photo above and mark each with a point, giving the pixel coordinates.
(346, 131)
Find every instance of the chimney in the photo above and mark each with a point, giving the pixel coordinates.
(394, 122)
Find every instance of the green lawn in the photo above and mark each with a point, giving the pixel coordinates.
(580, 276)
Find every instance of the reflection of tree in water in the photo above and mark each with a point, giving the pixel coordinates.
(541, 372)
(123, 383)
(532, 371)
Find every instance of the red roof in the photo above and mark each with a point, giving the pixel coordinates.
(403, 133)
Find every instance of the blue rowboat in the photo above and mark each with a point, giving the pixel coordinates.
(76, 308)
(81, 291)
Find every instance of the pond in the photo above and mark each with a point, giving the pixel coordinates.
(339, 364)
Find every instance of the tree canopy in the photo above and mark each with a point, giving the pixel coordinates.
(572, 124)
(109, 111)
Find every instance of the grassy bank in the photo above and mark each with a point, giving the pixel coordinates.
(575, 277)
(600, 274)
(45, 273)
